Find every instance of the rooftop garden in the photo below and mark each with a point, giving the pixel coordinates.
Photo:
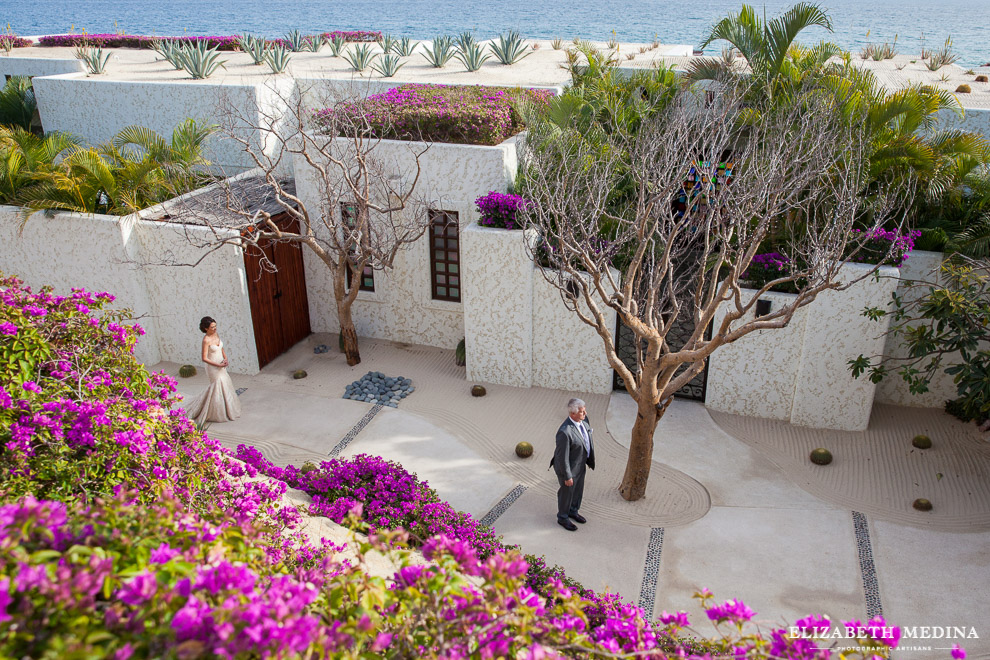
(128, 533)
(220, 42)
(437, 113)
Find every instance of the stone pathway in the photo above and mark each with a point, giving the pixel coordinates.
(738, 515)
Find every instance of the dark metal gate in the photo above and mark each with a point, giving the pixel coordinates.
(625, 346)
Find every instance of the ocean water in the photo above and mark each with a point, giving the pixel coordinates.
(856, 22)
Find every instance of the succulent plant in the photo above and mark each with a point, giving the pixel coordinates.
(557, 43)
(821, 456)
(442, 52)
(981, 79)
(278, 58)
(200, 61)
(465, 40)
(478, 390)
(460, 354)
(299, 374)
(387, 43)
(921, 504)
(187, 371)
(361, 57)
(405, 47)
(509, 49)
(472, 57)
(336, 44)
(308, 467)
(388, 65)
(524, 450)
(921, 441)
(256, 47)
(315, 43)
(964, 89)
(295, 40)
(93, 59)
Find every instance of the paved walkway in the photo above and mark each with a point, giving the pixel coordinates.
(719, 513)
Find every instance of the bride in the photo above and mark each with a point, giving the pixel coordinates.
(219, 402)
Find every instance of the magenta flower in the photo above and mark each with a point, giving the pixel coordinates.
(731, 610)
(958, 652)
(8, 329)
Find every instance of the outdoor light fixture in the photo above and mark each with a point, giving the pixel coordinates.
(762, 307)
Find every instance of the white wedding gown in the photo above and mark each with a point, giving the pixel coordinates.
(218, 403)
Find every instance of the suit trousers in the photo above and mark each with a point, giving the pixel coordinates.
(569, 497)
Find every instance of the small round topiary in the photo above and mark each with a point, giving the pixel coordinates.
(921, 504)
(821, 456)
(478, 390)
(299, 373)
(308, 467)
(524, 450)
(981, 79)
(187, 371)
(922, 441)
(963, 89)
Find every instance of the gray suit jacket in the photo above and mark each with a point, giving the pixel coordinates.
(570, 457)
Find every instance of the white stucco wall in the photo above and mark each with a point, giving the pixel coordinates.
(181, 295)
(498, 306)
(567, 353)
(118, 254)
(38, 66)
(976, 120)
(920, 265)
(69, 250)
(801, 372)
(95, 109)
(401, 308)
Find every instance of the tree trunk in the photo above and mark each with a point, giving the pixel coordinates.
(633, 486)
(349, 334)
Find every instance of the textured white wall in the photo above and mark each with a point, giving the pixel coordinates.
(801, 372)
(72, 250)
(919, 266)
(976, 120)
(498, 306)
(567, 353)
(756, 375)
(96, 109)
(401, 308)
(181, 295)
(38, 66)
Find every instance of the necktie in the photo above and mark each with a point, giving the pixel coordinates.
(584, 435)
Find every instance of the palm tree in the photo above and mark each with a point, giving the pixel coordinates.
(767, 46)
(25, 156)
(17, 103)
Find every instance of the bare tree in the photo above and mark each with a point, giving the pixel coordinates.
(363, 212)
(604, 199)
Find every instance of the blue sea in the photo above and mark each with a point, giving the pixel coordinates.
(856, 22)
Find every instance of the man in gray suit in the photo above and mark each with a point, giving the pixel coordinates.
(575, 450)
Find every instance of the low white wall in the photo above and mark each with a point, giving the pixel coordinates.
(401, 308)
(70, 250)
(567, 353)
(38, 66)
(976, 120)
(498, 306)
(920, 265)
(801, 373)
(118, 254)
(95, 109)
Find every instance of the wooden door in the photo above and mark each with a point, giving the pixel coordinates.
(279, 305)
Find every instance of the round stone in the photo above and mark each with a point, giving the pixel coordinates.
(478, 390)
(921, 504)
(921, 441)
(299, 373)
(187, 371)
(821, 456)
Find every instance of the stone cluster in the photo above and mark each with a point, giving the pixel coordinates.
(376, 387)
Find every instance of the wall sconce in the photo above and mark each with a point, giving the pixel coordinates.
(762, 307)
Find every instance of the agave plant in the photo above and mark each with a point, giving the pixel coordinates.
(256, 47)
(171, 52)
(465, 40)
(472, 57)
(361, 57)
(278, 58)
(336, 44)
(93, 59)
(199, 60)
(405, 47)
(388, 65)
(509, 49)
(557, 43)
(295, 40)
(387, 43)
(315, 43)
(442, 52)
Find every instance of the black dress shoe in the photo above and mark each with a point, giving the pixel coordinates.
(568, 525)
(577, 517)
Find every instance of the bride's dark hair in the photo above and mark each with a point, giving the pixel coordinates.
(204, 323)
